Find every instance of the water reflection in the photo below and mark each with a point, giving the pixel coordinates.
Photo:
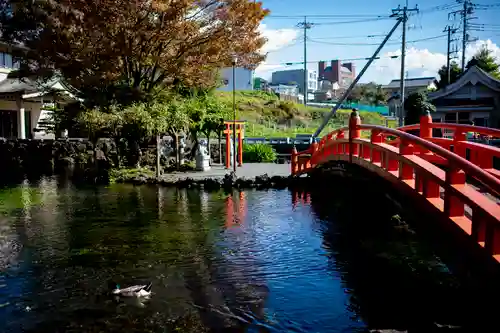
(393, 276)
(269, 261)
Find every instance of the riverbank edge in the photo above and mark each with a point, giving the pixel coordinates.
(228, 181)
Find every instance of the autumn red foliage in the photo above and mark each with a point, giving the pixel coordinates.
(117, 48)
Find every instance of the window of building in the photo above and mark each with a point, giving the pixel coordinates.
(8, 124)
(6, 61)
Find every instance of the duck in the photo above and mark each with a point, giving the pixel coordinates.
(138, 291)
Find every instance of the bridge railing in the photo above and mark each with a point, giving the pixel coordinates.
(476, 213)
(481, 154)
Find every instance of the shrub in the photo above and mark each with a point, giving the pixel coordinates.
(288, 107)
(258, 153)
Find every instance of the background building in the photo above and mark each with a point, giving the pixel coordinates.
(260, 84)
(296, 77)
(22, 102)
(284, 89)
(337, 72)
(411, 86)
(475, 97)
(243, 79)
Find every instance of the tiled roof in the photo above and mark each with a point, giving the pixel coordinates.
(473, 74)
(18, 85)
(29, 86)
(416, 82)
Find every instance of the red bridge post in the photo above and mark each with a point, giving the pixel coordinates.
(228, 146)
(426, 126)
(425, 129)
(354, 133)
(294, 160)
(453, 206)
(240, 144)
(313, 148)
(459, 149)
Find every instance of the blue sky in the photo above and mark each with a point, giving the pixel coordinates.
(285, 40)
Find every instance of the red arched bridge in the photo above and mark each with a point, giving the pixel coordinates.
(454, 177)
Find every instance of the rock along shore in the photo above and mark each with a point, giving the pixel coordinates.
(228, 181)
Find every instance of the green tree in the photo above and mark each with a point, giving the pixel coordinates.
(415, 105)
(121, 52)
(212, 123)
(369, 93)
(380, 96)
(455, 73)
(355, 95)
(177, 123)
(485, 60)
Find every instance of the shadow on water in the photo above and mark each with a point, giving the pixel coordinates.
(396, 267)
(253, 261)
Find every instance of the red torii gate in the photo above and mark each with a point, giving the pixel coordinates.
(240, 132)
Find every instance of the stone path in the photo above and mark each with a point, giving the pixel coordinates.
(248, 170)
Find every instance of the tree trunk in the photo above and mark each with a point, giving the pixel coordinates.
(138, 153)
(158, 155)
(208, 150)
(177, 152)
(194, 137)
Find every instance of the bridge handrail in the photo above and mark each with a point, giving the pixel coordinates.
(490, 182)
(460, 127)
(458, 162)
(467, 128)
(409, 127)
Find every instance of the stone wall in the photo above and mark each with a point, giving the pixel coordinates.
(75, 158)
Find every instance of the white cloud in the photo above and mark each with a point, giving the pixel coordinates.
(421, 62)
(276, 40)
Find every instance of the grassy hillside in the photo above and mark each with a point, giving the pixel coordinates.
(267, 116)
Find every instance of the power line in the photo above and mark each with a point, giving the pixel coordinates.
(346, 37)
(355, 81)
(293, 63)
(355, 21)
(327, 16)
(438, 8)
(465, 15)
(488, 6)
(367, 44)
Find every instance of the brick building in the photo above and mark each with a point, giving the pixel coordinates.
(342, 73)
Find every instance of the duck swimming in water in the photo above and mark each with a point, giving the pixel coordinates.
(139, 291)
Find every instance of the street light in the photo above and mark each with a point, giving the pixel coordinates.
(235, 61)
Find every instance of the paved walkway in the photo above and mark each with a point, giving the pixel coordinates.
(248, 170)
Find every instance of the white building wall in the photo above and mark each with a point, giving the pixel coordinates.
(296, 75)
(243, 79)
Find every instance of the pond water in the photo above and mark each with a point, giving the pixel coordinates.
(256, 261)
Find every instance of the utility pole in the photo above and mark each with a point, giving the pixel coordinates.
(464, 34)
(465, 13)
(403, 14)
(451, 31)
(305, 25)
